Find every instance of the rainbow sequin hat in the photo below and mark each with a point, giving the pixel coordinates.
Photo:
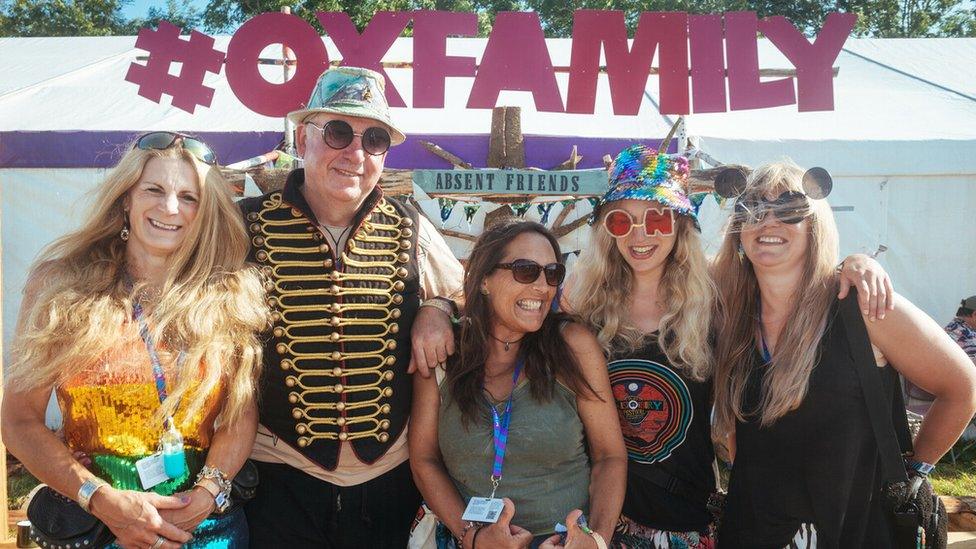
(351, 91)
(641, 173)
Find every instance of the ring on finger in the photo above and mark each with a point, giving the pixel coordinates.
(158, 543)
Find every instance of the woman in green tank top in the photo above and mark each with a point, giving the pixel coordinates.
(524, 413)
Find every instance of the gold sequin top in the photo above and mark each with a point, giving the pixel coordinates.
(108, 408)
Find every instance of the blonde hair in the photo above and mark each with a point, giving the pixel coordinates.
(786, 377)
(603, 287)
(210, 305)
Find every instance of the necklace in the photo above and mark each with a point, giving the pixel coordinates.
(508, 344)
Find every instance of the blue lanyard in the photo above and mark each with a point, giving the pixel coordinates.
(157, 366)
(500, 431)
(767, 356)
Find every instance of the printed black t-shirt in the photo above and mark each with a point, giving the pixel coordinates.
(665, 419)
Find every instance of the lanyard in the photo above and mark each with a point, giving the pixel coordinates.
(767, 356)
(151, 349)
(500, 431)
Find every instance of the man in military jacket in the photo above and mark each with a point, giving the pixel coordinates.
(347, 268)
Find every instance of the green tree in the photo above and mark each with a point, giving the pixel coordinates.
(62, 17)
(181, 13)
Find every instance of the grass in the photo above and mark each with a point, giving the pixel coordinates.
(959, 478)
(19, 484)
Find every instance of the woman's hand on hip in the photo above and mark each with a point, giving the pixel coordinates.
(503, 534)
(135, 520)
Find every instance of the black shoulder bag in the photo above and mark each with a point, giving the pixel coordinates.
(916, 514)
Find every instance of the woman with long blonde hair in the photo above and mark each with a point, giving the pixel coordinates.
(787, 391)
(143, 321)
(643, 285)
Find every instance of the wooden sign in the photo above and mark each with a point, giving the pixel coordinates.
(591, 182)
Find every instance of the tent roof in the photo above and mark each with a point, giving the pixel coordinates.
(901, 100)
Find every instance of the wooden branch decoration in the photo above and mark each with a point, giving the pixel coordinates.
(566, 229)
(453, 159)
(561, 218)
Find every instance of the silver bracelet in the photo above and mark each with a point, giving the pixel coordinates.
(87, 491)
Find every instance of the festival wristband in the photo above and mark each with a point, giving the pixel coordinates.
(87, 491)
(442, 304)
(920, 467)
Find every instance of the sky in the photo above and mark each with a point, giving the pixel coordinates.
(138, 8)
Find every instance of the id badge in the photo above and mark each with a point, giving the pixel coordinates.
(152, 471)
(483, 510)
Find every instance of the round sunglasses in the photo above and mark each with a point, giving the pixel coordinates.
(619, 223)
(790, 207)
(158, 141)
(338, 134)
(526, 271)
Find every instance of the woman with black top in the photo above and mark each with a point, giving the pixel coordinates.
(644, 287)
(787, 394)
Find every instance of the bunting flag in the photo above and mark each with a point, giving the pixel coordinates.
(544, 210)
(520, 208)
(568, 201)
(593, 201)
(446, 205)
(470, 210)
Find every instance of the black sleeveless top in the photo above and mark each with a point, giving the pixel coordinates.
(818, 464)
(665, 419)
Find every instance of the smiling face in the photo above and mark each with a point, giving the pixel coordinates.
(516, 308)
(643, 253)
(346, 175)
(774, 245)
(161, 206)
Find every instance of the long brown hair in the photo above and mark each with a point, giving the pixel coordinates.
(547, 356)
(786, 378)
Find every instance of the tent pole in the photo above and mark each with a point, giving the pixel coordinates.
(4, 532)
(288, 55)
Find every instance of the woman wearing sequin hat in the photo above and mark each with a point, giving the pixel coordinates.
(643, 286)
(143, 321)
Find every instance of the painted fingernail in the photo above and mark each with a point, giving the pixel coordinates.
(185, 499)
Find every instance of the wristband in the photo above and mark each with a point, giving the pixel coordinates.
(213, 475)
(442, 304)
(600, 542)
(464, 532)
(87, 491)
(920, 467)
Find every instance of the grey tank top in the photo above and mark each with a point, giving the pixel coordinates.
(546, 471)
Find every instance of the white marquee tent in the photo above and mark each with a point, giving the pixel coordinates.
(901, 145)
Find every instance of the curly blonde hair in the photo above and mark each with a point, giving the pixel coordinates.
(211, 304)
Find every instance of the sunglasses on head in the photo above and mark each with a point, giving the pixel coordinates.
(338, 134)
(526, 271)
(619, 223)
(158, 141)
(790, 207)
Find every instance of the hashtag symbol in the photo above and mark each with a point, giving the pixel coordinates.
(165, 47)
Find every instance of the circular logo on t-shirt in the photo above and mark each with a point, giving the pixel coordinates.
(654, 406)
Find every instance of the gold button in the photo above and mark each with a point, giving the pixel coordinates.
(403, 257)
(385, 409)
(394, 328)
(401, 272)
(327, 263)
(290, 381)
(397, 299)
(309, 229)
(296, 212)
(343, 436)
(340, 406)
(335, 336)
(388, 392)
(279, 332)
(296, 413)
(335, 321)
(399, 285)
(335, 289)
(384, 437)
(324, 248)
(337, 371)
(293, 398)
(261, 255)
(253, 216)
(334, 308)
(267, 270)
(316, 236)
(391, 345)
(302, 442)
(338, 388)
(385, 424)
(258, 240)
(287, 364)
(268, 286)
(281, 348)
(388, 375)
(301, 428)
(336, 355)
(255, 227)
(406, 233)
(395, 313)
(406, 222)
(341, 421)
(334, 275)
(405, 244)
(272, 302)
(390, 360)
(275, 316)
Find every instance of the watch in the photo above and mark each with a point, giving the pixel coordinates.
(87, 491)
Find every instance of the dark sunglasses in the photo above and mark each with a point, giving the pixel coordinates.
(526, 271)
(157, 141)
(656, 221)
(790, 207)
(338, 134)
